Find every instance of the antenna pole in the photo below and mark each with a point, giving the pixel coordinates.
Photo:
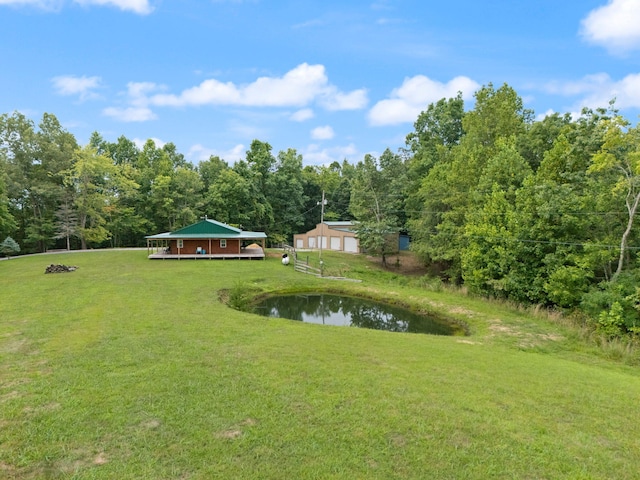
(324, 202)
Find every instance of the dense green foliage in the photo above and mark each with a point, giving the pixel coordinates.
(532, 211)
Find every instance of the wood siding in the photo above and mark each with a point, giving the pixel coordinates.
(332, 239)
(210, 246)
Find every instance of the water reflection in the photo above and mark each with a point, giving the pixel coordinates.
(329, 309)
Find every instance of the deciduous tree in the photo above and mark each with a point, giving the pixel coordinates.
(285, 193)
(92, 178)
(377, 201)
(7, 222)
(621, 153)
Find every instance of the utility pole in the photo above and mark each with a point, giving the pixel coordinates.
(323, 203)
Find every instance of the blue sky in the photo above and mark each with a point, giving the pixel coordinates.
(333, 79)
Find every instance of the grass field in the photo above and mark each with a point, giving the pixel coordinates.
(135, 369)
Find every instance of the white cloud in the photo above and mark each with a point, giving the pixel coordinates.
(316, 22)
(389, 21)
(140, 142)
(414, 95)
(72, 85)
(335, 100)
(209, 91)
(614, 26)
(42, 4)
(541, 116)
(137, 98)
(588, 83)
(381, 5)
(296, 88)
(322, 133)
(141, 7)
(302, 115)
(597, 90)
(199, 153)
(314, 155)
(299, 87)
(138, 92)
(130, 114)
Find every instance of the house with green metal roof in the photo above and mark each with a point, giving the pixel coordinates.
(207, 239)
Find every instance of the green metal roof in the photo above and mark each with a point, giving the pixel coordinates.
(207, 226)
(209, 229)
(241, 235)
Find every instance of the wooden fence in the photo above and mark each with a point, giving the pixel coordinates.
(304, 267)
(301, 265)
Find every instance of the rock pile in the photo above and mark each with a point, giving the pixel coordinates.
(59, 268)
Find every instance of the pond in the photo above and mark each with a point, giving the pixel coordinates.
(331, 309)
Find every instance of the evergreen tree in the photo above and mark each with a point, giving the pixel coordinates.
(9, 247)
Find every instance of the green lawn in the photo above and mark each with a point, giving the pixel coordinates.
(130, 369)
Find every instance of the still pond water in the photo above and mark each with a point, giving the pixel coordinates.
(351, 311)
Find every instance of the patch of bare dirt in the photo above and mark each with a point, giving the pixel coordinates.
(150, 424)
(229, 434)
(525, 339)
(398, 440)
(236, 431)
(504, 329)
(461, 311)
(14, 343)
(9, 396)
(404, 263)
(5, 467)
(49, 407)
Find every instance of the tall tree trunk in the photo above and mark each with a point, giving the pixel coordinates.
(625, 236)
(82, 221)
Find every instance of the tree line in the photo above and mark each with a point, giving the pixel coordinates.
(533, 211)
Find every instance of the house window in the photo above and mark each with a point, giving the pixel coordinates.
(180, 243)
(223, 243)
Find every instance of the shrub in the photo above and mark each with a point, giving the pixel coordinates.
(241, 296)
(615, 305)
(9, 247)
(611, 322)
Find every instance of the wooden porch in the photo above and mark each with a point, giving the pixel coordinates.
(245, 253)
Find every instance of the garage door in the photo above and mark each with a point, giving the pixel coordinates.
(351, 244)
(335, 243)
